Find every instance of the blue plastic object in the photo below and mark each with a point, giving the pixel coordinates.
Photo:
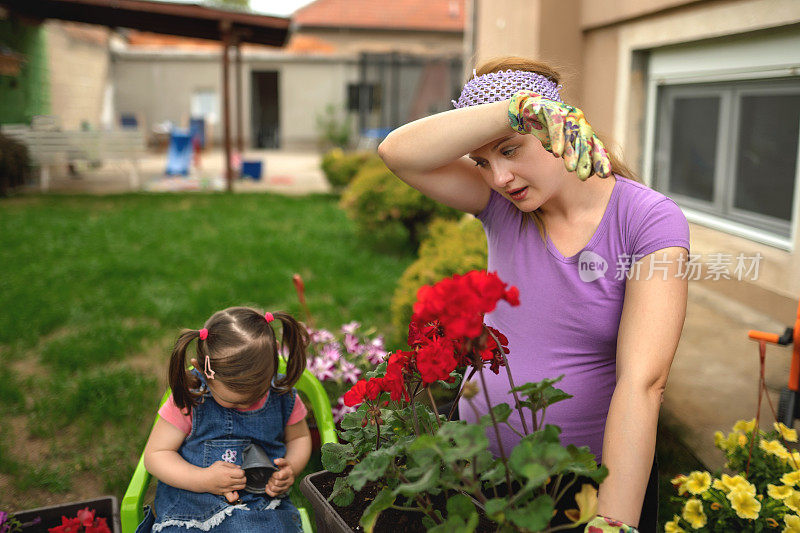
(179, 154)
(252, 169)
(197, 128)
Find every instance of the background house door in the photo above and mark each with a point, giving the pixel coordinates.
(266, 119)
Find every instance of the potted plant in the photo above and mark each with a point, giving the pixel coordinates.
(400, 456)
(100, 515)
(760, 494)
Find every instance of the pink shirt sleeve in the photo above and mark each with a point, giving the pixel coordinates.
(299, 412)
(170, 412)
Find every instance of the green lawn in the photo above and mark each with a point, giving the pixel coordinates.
(94, 290)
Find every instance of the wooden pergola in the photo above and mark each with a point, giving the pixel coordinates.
(230, 28)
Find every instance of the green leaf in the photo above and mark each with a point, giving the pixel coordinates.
(342, 494)
(371, 468)
(428, 522)
(495, 507)
(533, 389)
(382, 501)
(460, 441)
(378, 372)
(535, 515)
(554, 395)
(335, 456)
(501, 412)
(495, 475)
(461, 506)
(456, 381)
(423, 484)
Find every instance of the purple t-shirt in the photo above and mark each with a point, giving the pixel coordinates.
(568, 318)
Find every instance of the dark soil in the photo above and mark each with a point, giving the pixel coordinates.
(390, 520)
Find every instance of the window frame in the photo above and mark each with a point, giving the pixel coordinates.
(720, 213)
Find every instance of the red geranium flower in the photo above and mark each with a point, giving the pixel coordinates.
(436, 360)
(86, 516)
(460, 302)
(68, 525)
(100, 526)
(393, 382)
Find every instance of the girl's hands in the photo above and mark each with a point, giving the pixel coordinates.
(562, 130)
(225, 479)
(282, 480)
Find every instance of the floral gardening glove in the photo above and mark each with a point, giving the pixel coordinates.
(601, 524)
(562, 130)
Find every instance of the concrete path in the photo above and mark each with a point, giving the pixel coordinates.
(283, 172)
(714, 377)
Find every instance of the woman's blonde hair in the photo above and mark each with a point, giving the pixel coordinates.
(549, 71)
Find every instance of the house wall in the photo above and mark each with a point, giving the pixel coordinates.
(159, 86)
(78, 64)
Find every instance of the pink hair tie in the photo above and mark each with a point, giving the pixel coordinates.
(207, 371)
(203, 334)
(269, 317)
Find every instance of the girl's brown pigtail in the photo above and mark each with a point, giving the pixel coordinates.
(178, 378)
(295, 340)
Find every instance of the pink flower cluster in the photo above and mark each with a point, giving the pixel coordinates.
(343, 360)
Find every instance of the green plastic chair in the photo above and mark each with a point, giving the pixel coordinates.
(132, 508)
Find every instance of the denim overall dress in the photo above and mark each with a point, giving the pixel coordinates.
(221, 434)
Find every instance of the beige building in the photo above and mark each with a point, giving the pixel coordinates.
(702, 98)
(78, 100)
(374, 63)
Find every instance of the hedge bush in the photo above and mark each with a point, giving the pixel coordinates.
(377, 200)
(451, 247)
(340, 167)
(14, 164)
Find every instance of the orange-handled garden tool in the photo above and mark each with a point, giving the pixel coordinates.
(789, 405)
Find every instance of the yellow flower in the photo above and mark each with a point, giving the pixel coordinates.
(745, 505)
(728, 484)
(733, 440)
(745, 426)
(698, 482)
(793, 501)
(774, 447)
(779, 493)
(679, 482)
(673, 527)
(587, 505)
(792, 522)
(791, 479)
(719, 440)
(787, 434)
(693, 513)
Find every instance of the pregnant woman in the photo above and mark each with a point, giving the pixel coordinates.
(596, 255)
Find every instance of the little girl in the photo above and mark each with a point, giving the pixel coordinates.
(230, 401)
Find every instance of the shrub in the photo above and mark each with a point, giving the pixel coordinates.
(340, 167)
(377, 200)
(335, 127)
(14, 164)
(451, 247)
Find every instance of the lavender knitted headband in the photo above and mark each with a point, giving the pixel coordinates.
(496, 86)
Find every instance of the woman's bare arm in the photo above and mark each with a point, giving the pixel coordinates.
(644, 357)
(429, 153)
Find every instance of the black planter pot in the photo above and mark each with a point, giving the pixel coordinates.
(105, 507)
(325, 516)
